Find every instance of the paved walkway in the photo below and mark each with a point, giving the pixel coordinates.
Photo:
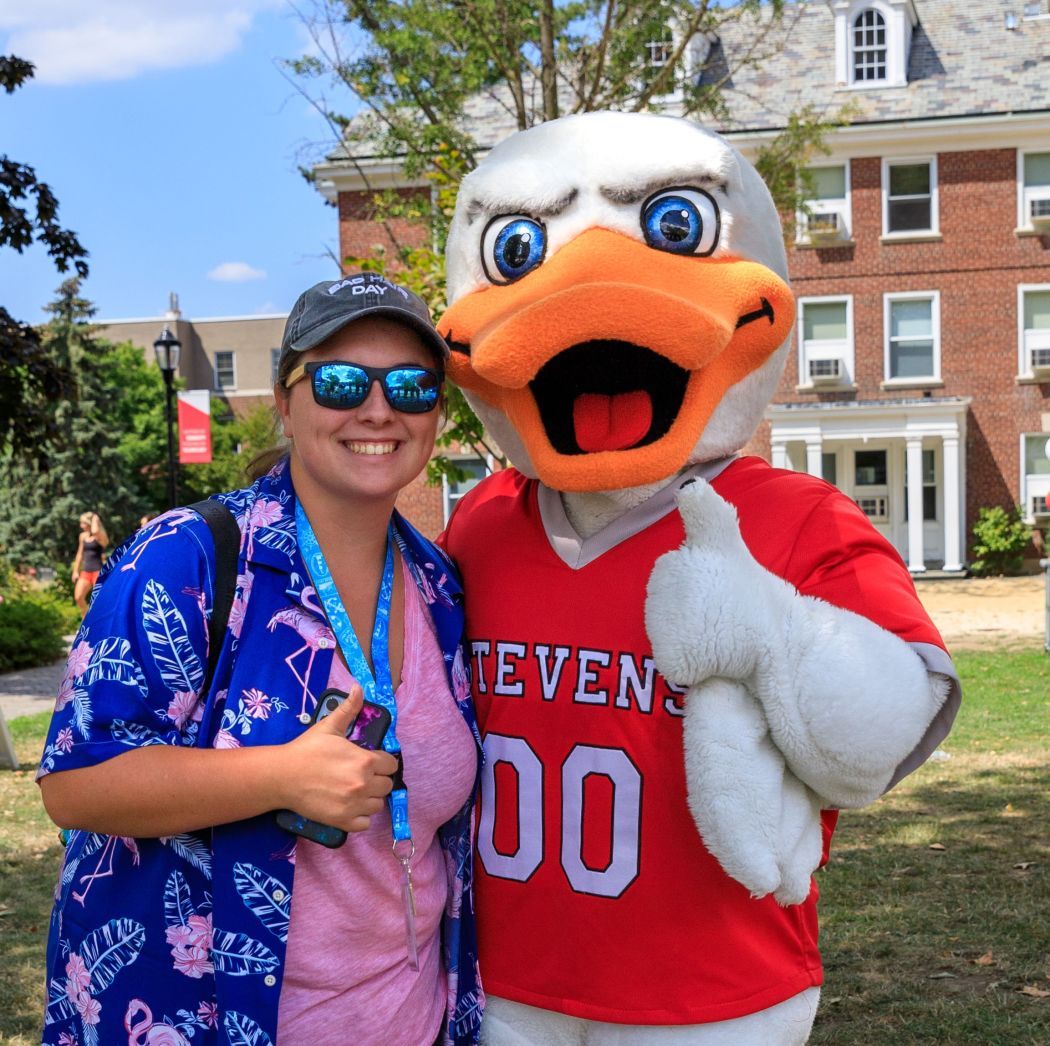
(31, 690)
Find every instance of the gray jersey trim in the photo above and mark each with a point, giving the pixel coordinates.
(937, 663)
(576, 552)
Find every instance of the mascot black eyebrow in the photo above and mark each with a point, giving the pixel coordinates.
(685, 660)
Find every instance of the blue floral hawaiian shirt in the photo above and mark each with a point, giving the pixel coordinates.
(181, 940)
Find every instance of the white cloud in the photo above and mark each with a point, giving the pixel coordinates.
(236, 272)
(73, 42)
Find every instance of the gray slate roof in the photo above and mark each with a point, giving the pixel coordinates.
(963, 62)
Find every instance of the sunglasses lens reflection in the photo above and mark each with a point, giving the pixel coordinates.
(411, 389)
(340, 386)
(343, 386)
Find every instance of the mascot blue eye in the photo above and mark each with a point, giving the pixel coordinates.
(512, 246)
(682, 221)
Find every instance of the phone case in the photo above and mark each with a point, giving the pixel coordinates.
(368, 731)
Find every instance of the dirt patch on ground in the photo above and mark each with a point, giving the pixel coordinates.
(987, 613)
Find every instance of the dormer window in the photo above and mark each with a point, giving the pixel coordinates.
(872, 42)
(658, 50)
(869, 47)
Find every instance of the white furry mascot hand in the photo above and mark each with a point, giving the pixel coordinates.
(793, 704)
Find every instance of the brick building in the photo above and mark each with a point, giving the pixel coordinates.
(919, 379)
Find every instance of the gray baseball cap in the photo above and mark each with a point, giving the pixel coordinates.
(330, 305)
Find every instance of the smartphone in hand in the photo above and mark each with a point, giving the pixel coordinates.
(367, 731)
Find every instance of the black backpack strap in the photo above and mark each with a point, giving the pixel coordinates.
(226, 536)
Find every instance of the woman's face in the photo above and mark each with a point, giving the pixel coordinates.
(369, 452)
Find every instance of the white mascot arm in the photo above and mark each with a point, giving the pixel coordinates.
(776, 678)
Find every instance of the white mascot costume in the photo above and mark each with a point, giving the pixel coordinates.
(684, 660)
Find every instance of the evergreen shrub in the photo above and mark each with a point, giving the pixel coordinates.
(1000, 538)
(30, 633)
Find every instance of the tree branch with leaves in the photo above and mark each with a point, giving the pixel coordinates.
(33, 380)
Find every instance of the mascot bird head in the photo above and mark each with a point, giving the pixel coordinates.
(618, 298)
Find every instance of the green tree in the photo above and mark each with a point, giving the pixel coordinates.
(235, 442)
(32, 378)
(140, 428)
(412, 68)
(40, 508)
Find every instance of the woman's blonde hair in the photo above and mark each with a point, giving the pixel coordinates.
(86, 518)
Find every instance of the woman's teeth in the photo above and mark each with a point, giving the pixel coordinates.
(372, 448)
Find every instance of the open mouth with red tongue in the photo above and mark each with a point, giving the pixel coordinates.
(607, 396)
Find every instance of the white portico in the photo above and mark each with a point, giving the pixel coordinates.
(902, 461)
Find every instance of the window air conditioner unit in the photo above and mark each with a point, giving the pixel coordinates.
(1039, 213)
(1041, 361)
(825, 227)
(828, 371)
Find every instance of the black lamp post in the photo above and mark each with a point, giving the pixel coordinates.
(167, 347)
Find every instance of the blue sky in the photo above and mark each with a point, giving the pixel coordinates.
(172, 141)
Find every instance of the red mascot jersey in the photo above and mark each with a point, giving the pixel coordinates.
(596, 895)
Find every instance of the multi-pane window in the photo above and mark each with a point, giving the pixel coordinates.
(826, 349)
(912, 350)
(225, 371)
(869, 483)
(929, 486)
(910, 188)
(828, 206)
(659, 48)
(1035, 330)
(1036, 474)
(1035, 195)
(869, 47)
(829, 468)
(275, 363)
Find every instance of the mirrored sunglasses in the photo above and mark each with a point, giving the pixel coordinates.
(343, 386)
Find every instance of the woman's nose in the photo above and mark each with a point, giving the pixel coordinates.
(375, 408)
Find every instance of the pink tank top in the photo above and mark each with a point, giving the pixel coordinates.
(346, 976)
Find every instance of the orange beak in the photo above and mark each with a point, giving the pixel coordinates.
(610, 358)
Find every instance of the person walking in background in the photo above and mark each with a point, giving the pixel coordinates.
(90, 546)
(174, 914)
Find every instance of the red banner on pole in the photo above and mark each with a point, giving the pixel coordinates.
(194, 427)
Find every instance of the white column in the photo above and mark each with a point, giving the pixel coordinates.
(813, 452)
(779, 454)
(916, 561)
(952, 505)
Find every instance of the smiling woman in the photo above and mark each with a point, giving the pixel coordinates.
(197, 807)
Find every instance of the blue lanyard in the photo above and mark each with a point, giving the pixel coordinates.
(379, 689)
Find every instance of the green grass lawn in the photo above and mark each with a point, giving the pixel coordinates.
(935, 906)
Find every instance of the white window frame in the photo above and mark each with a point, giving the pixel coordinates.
(857, 491)
(909, 234)
(1041, 485)
(934, 297)
(829, 205)
(887, 36)
(232, 386)
(900, 18)
(1024, 358)
(844, 350)
(1026, 195)
(446, 492)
